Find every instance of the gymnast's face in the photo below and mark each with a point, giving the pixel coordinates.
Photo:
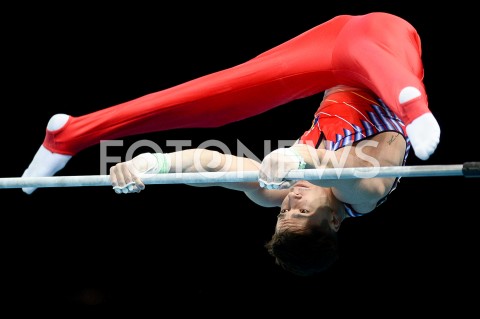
(305, 206)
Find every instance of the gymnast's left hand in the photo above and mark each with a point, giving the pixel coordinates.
(124, 176)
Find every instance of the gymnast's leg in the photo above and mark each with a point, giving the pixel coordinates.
(297, 68)
(388, 51)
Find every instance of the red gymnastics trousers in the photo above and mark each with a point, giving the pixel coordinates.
(376, 51)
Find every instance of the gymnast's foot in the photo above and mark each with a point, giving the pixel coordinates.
(46, 163)
(424, 134)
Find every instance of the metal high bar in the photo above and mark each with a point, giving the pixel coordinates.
(467, 169)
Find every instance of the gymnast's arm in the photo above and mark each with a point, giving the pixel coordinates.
(125, 176)
(384, 149)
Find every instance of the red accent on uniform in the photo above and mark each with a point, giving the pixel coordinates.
(339, 111)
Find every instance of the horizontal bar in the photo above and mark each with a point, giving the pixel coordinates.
(472, 168)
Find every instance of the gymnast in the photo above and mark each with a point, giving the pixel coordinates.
(377, 53)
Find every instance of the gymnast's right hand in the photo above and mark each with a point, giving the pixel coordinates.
(276, 165)
(124, 176)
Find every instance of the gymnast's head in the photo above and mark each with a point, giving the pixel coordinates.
(305, 241)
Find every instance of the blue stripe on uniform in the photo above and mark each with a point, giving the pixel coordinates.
(350, 211)
(348, 137)
(358, 132)
(369, 128)
(376, 121)
(385, 120)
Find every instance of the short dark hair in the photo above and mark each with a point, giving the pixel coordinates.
(305, 253)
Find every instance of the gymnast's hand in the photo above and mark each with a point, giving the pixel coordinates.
(276, 165)
(124, 176)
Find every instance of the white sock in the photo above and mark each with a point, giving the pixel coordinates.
(424, 134)
(46, 163)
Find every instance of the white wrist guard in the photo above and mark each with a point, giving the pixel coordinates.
(301, 161)
(152, 163)
(163, 163)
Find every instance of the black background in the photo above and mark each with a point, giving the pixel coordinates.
(185, 249)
